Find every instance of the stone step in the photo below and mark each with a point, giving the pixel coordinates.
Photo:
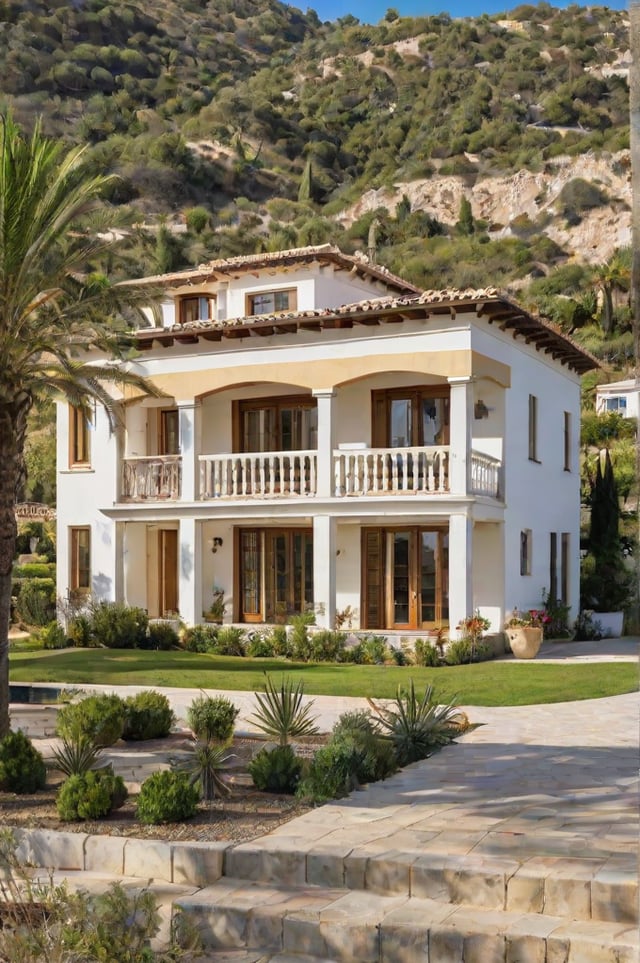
(604, 889)
(363, 927)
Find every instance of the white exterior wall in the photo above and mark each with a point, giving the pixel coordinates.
(542, 497)
(81, 493)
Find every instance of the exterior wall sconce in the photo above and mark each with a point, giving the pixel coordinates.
(215, 544)
(480, 411)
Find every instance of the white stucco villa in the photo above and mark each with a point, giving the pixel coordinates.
(331, 438)
(620, 396)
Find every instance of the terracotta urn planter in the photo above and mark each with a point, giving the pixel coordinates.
(525, 641)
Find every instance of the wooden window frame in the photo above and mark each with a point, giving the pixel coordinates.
(565, 565)
(526, 551)
(567, 440)
(79, 438)
(199, 297)
(262, 533)
(239, 408)
(250, 298)
(381, 399)
(163, 433)
(553, 566)
(75, 569)
(533, 429)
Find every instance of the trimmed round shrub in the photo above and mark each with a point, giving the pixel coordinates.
(276, 770)
(161, 636)
(98, 717)
(36, 600)
(148, 715)
(212, 718)
(22, 767)
(119, 626)
(167, 797)
(91, 795)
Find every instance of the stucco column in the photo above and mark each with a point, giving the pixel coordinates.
(460, 568)
(460, 424)
(325, 475)
(190, 570)
(118, 561)
(188, 450)
(324, 570)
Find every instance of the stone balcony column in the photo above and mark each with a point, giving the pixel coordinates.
(190, 570)
(324, 570)
(460, 424)
(326, 436)
(188, 450)
(460, 568)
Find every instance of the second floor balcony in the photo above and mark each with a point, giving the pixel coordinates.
(355, 471)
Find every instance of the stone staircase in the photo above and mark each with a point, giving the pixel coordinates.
(327, 907)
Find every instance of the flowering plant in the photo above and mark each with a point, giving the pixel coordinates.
(474, 625)
(533, 619)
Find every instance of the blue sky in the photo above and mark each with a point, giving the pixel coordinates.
(371, 11)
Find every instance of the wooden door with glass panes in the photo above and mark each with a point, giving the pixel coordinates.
(405, 578)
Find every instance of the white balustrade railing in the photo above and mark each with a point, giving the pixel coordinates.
(486, 475)
(369, 471)
(152, 477)
(258, 474)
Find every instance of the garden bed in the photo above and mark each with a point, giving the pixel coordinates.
(243, 815)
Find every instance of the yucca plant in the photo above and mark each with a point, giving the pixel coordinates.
(77, 755)
(416, 726)
(281, 712)
(205, 764)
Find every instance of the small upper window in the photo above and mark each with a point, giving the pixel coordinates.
(272, 302)
(617, 404)
(79, 447)
(533, 428)
(196, 308)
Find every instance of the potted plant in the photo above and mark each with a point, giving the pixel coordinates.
(524, 631)
(217, 608)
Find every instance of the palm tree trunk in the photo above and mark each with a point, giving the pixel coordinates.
(13, 418)
(634, 109)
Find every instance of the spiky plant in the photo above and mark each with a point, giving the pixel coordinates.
(281, 712)
(416, 726)
(77, 755)
(205, 765)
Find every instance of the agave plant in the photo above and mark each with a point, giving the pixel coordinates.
(77, 755)
(205, 764)
(416, 726)
(281, 712)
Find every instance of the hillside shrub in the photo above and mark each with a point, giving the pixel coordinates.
(119, 626)
(148, 715)
(98, 717)
(167, 797)
(22, 767)
(276, 770)
(92, 795)
(212, 718)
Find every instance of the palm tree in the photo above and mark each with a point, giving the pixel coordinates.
(52, 312)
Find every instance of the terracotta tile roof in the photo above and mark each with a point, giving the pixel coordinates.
(489, 304)
(327, 253)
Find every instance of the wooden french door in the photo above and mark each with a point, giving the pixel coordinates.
(167, 572)
(410, 417)
(275, 573)
(405, 578)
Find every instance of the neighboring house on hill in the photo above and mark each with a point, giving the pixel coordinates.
(331, 438)
(620, 396)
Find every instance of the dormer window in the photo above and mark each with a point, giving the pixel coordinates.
(272, 302)
(199, 307)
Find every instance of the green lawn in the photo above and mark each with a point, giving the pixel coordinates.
(485, 684)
